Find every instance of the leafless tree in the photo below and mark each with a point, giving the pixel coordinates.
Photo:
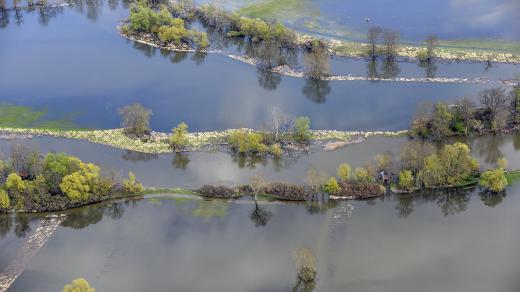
(373, 36)
(390, 39)
(496, 103)
(432, 41)
(281, 123)
(26, 160)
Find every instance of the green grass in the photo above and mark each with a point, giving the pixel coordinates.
(483, 44)
(278, 9)
(179, 191)
(513, 177)
(15, 116)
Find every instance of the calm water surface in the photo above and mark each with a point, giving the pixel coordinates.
(427, 242)
(76, 66)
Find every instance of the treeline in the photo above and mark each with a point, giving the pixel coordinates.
(498, 110)
(30, 181)
(420, 166)
(161, 24)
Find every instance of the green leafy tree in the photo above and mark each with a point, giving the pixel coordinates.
(406, 180)
(247, 142)
(301, 129)
(15, 185)
(79, 185)
(494, 180)
(276, 150)
(344, 171)
(5, 202)
(56, 166)
(78, 285)
(131, 185)
(441, 121)
(179, 138)
(363, 174)
(452, 165)
(332, 187)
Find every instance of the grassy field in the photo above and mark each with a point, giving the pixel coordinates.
(513, 177)
(14, 116)
(283, 10)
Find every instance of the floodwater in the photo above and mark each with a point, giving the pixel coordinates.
(425, 242)
(72, 63)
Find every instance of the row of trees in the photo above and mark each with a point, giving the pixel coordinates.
(421, 165)
(31, 181)
(498, 110)
(168, 29)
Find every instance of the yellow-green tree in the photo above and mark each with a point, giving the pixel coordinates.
(5, 202)
(344, 171)
(494, 180)
(78, 186)
(15, 185)
(332, 186)
(131, 185)
(179, 138)
(406, 180)
(363, 175)
(78, 285)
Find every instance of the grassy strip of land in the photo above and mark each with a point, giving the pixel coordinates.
(513, 177)
(159, 142)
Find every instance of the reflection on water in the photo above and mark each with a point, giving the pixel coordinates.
(426, 233)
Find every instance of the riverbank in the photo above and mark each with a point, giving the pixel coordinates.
(321, 140)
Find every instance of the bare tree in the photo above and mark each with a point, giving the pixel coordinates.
(281, 123)
(373, 35)
(390, 39)
(316, 61)
(135, 119)
(26, 160)
(495, 102)
(432, 41)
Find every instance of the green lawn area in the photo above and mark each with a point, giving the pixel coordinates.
(279, 9)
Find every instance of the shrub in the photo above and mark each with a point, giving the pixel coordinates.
(494, 180)
(130, 185)
(135, 119)
(363, 175)
(502, 163)
(78, 285)
(332, 186)
(15, 185)
(247, 142)
(344, 171)
(80, 185)
(210, 191)
(179, 138)
(301, 129)
(406, 180)
(422, 56)
(451, 166)
(4, 200)
(276, 150)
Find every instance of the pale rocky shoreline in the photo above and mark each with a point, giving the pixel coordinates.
(285, 70)
(322, 140)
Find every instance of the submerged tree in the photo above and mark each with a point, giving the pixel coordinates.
(316, 90)
(496, 103)
(373, 36)
(390, 39)
(305, 262)
(316, 59)
(135, 119)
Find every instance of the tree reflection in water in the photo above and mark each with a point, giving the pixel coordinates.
(249, 161)
(135, 156)
(180, 160)
(316, 90)
(430, 69)
(6, 223)
(198, 57)
(492, 199)
(260, 215)
(268, 79)
(390, 68)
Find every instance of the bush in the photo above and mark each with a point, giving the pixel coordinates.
(451, 166)
(286, 191)
(247, 142)
(135, 119)
(301, 129)
(179, 138)
(5, 202)
(406, 180)
(210, 191)
(332, 187)
(363, 175)
(80, 185)
(344, 171)
(131, 185)
(360, 190)
(15, 185)
(276, 150)
(78, 285)
(494, 180)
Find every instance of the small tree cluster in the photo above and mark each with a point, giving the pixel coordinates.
(179, 137)
(495, 180)
(497, 112)
(135, 119)
(56, 180)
